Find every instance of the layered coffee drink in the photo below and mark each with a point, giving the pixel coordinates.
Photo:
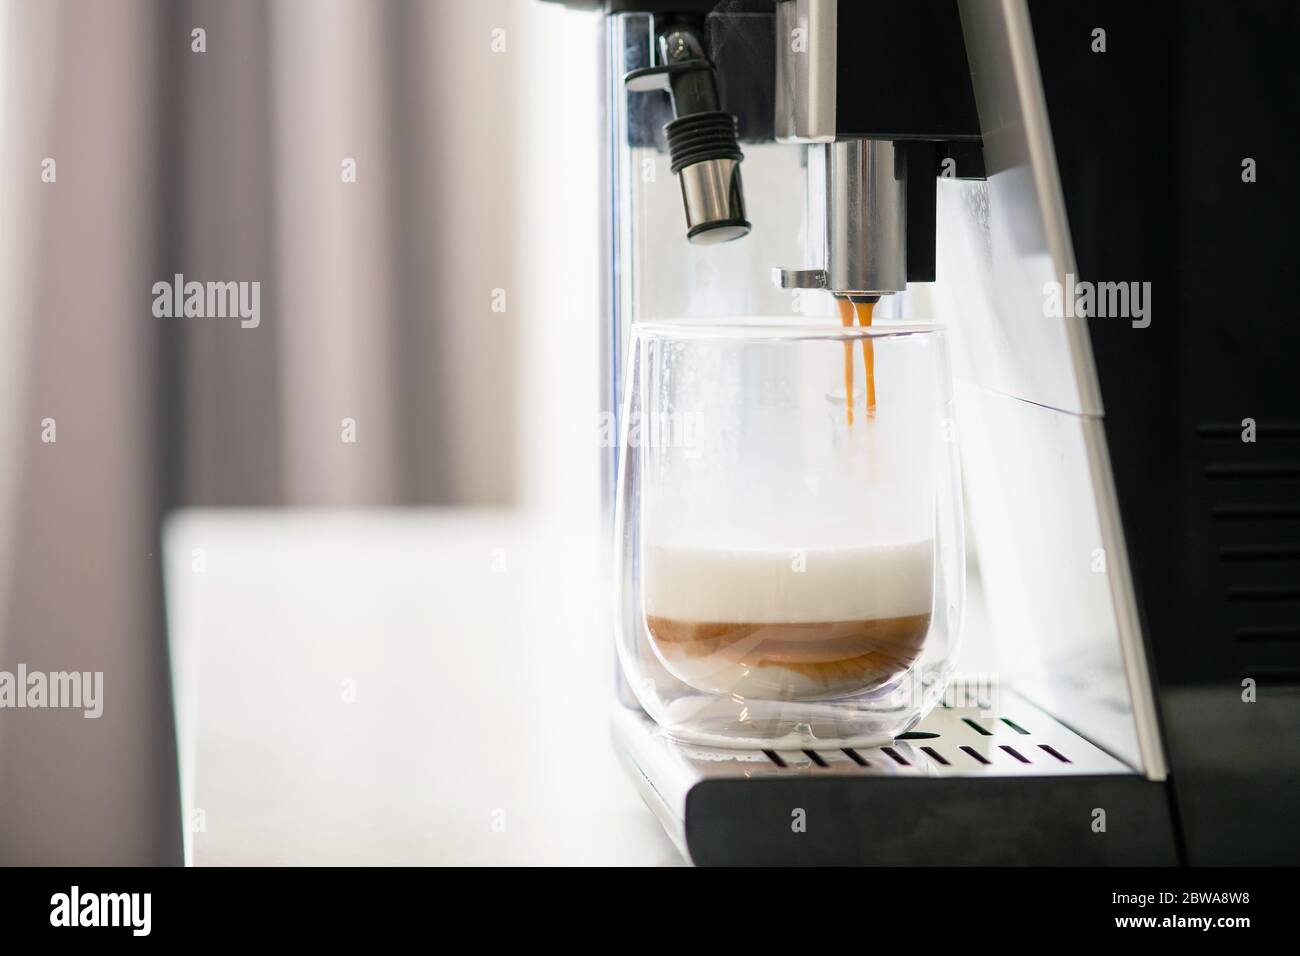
(788, 624)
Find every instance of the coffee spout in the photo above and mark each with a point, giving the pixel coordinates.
(857, 221)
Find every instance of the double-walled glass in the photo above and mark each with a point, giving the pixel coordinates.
(788, 531)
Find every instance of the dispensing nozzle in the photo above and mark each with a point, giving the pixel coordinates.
(857, 220)
(702, 144)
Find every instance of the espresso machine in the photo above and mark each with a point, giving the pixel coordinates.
(1029, 174)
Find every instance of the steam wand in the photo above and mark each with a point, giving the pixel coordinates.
(702, 143)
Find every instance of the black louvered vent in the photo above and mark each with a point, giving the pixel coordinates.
(1254, 494)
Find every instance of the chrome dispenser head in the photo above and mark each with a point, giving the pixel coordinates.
(857, 220)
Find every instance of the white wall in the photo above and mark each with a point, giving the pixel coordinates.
(558, 221)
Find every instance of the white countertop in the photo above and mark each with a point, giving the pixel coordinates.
(396, 687)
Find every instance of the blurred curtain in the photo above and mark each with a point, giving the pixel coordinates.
(376, 306)
(81, 517)
(376, 292)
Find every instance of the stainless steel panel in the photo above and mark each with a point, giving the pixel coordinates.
(1041, 497)
(1054, 570)
(1015, 223)
(805, 70)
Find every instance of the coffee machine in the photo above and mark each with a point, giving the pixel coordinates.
(1027, 173)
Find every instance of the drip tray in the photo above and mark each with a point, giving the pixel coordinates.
(967, 786)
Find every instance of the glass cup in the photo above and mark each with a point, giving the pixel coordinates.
(788, 531)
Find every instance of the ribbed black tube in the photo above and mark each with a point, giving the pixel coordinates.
(697, 137)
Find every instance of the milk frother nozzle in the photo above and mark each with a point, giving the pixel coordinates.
(703, 147)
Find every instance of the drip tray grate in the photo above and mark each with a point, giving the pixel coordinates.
(1014, 739)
